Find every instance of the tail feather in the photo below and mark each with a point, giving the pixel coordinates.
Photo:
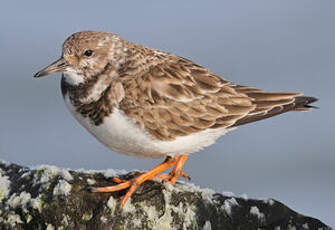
(303, 103)
(299, 103)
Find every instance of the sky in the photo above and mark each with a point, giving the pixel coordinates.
(285, 45)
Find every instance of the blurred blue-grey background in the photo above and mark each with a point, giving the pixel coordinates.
(274, 45)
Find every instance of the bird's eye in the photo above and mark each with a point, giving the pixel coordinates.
(88, 53)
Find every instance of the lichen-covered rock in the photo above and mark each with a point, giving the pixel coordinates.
(52, 198)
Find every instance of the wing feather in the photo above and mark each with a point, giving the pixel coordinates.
(178, 97)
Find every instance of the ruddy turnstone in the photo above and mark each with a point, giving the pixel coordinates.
(145, 102)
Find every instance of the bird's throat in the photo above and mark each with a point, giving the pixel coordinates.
(73, 78)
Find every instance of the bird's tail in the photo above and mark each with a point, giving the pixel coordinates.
(271, 104)
(302, 103)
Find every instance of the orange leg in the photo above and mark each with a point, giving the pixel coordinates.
(133, 184)
(165, 177)
(176, 171)
(171, 177)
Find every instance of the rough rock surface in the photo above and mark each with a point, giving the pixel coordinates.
(52, 198)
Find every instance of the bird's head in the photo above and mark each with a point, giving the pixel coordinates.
(87, 54)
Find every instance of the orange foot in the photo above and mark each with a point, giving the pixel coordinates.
(134, 183)
(176, 172)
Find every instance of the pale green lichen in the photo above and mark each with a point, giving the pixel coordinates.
(90, 181)
(206, 193)
(164, 222)
(50, 227)
(123, 228)
(103, 219)
(156, 222)
(4, 186)
(12, 219)
(155, 219)
(137, 222)
(23, 200)
(65, 220)
(48, 172)
(183, 210)
(228, 205)
(269, 201)
(110, 173)
(207, 225)
(29, 218)
(37, 203)
(87, 216)
(186, 213)
(255, 211)
(62, 188)
(111, 204)
(128, 207)
(19, 200)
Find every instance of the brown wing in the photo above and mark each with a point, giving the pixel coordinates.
(177, 98)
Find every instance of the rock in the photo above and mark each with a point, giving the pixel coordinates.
(50, 198)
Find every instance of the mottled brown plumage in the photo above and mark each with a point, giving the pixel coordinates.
(170, 96)
(178, 97)
(145, 102)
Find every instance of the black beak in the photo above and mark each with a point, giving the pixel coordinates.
(56, 67)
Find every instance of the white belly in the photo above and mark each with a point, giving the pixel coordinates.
(122, 135)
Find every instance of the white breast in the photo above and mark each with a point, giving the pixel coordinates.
(121, 134)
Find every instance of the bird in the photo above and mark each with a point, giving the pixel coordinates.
(148, 103)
